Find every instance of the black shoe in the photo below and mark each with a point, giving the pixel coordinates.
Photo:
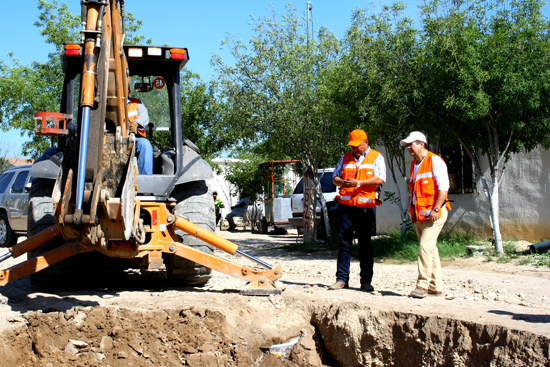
(367, 287)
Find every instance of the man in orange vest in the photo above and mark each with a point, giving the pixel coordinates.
(358, 173)
(428, 185)
(138, 119)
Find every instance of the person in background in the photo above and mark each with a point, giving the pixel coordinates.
(238, 210)
(138, 119)
(358, 173)
(218, 204)
(428, 185)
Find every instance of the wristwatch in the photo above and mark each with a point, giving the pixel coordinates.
(358, 183)
(436, 210)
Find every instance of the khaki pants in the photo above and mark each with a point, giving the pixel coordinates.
(429, 265)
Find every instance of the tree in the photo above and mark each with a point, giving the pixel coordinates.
(276, 93)
(26, 89)
(486, 83)
(201, 111)
(379, 85)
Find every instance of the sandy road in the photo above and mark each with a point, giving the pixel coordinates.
(517, 297)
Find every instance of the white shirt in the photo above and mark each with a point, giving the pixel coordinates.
(440, 172)
(379, 165)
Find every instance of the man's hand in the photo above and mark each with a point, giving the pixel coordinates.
(351, 182)
(133, 127)
(433, 216)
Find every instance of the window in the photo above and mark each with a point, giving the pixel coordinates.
(326, 183)
(5, 180)
(460, 167)
(19, 184)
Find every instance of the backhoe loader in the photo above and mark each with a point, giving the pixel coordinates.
(89, 207)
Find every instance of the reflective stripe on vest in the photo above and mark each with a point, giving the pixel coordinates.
(364, 196)
(425, 189)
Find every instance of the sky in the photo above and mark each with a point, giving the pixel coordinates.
(200, 26)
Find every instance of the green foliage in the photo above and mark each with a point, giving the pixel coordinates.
(487, 74)
(4, 165)
(392, 247)
(201, 114)
(378, 85)
(542, 260)
(277, 92)
(246, 176)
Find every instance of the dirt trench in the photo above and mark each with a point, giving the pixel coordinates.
(347, 334)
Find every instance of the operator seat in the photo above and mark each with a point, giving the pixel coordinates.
(164, 163)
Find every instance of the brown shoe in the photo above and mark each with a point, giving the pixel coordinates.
(339, 285)
(435, 293)
(419, 292)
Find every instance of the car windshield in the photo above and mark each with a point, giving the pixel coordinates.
(326, 183)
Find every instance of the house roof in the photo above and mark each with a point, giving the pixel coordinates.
(16, 162)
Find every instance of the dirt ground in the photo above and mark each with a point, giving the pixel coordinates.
(492, 314)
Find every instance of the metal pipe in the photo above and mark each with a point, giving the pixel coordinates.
(32, 242)
(81, 177)
(6, 256)
(254, 259)
(540, 247)
(206, 236)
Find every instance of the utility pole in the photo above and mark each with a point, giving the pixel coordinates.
(309, 19)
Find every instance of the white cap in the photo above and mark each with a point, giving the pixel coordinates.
(414, 136)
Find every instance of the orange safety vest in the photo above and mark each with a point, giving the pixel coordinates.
(364, 196)
(133, 115)
(425, 188)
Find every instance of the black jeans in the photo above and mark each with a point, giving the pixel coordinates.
(359, 221)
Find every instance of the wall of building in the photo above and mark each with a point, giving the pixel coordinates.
(524, 201)
(226, 191)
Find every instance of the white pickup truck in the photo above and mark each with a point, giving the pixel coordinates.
(330, 192)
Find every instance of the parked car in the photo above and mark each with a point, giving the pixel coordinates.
(330, 193)
(14, 204)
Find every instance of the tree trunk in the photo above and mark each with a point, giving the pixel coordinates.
(495, 216)
(324, 211)
(492, 197)
(308, 218)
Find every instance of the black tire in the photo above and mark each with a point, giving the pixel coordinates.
(41, 216)
(7, 237)
(194, 203)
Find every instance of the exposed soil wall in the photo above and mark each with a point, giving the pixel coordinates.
(348, 334)
(357, 336)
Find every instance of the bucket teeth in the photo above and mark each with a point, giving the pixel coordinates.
(261, 287)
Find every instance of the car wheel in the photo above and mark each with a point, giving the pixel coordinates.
(7, 237)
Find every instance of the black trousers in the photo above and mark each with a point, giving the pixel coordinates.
(359, 221)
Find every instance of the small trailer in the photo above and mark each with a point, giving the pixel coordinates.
(279, 179)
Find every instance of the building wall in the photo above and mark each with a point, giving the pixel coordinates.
(222, 186)
(523, 194)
